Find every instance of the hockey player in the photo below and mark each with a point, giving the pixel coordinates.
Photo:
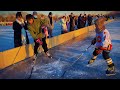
(103, 45)
(35, 27)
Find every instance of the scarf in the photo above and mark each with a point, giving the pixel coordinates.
(20, 22)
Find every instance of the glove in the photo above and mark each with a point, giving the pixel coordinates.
(39, 41)
(44, 29)
(109, 47)
(106, 48)
(93, 41)
(98, 51)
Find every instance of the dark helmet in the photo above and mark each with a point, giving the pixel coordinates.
(29, 16)
(50, 13)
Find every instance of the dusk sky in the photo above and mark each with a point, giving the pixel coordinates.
(60, 12)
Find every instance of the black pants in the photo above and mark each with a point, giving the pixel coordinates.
(44, 46)
(105, 54)
(17, 39)
(27, 39)
(17, 42)
(71, 28)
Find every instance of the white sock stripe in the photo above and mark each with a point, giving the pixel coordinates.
(94, 57)
(109, 60)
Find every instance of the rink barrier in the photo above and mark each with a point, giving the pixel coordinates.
(15, 55)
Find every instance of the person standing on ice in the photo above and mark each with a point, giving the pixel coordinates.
(42, 16)
(72, 22)
(85, 20)
(79, 21)
(89, 19)
(37, 28)
(19, 28)
(35, 15)
(50, 29)
(103, 45)
(63, 25)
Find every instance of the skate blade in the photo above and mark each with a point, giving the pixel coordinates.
(110, 74)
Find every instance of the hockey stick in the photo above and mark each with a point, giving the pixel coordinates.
(88, 47)
(34, 62)
(75, 61)
(32, 69)
(16, 56)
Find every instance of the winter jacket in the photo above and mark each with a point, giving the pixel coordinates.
(17, 27)
(35, 29)
(63, 24)
(80, 22)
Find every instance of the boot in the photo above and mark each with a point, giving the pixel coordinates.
(111, 70)
(34, 57)
(92, 60)
(48, 54)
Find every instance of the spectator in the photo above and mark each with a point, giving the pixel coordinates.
(95, 17)
(80, 22)
(84, 19)
(63, 25)
(51, 24)
(35, 15)
(72, 23)
(89, 20)
(18, 26)
(36, 28)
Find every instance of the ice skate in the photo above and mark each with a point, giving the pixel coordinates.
(110, 71)
(91, 61)
(48, 54)
(34, 57)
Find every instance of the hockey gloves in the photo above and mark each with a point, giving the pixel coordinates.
(108, 48)
(98, 51)
(39, 41)
(45, 30)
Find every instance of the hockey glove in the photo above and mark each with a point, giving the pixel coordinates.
(39, 41)
(109, 47)
(98, 51)
(106, 48)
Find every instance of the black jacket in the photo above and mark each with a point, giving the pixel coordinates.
(17, 34)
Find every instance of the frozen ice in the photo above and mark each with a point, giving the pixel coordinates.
(66, 54)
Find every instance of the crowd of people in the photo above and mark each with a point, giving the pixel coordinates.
(41, 28)
(37, 27)
(72, 22)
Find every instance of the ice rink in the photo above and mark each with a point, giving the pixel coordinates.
(64, 55)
